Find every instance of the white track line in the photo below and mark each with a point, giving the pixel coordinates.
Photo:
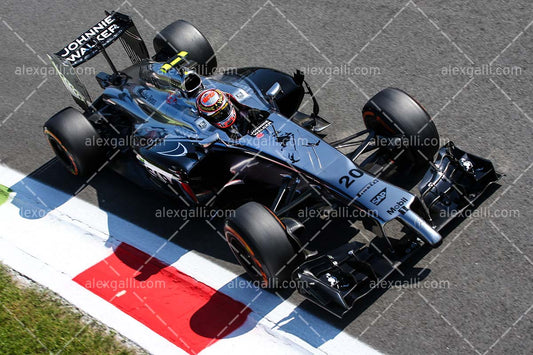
(74, 235)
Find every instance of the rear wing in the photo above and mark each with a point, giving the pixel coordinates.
(114, 26)
(100, 36)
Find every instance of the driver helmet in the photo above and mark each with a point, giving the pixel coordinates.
(216, 108)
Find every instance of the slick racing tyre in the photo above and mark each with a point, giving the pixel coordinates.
(183, 36)
(74, 142)
(259, 241)
(394, 113)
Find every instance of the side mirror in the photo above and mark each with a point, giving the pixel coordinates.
(274, 90)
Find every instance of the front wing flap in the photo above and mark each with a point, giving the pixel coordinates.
(453, 183)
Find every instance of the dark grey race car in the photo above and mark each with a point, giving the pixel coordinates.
(146, 126)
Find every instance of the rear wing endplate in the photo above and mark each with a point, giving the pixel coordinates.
(72, 82)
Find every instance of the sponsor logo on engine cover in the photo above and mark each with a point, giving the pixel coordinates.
(145, 94)
(380, 197)
(264, 125)
(397, 206)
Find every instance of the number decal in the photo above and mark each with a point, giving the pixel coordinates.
(349, 180)
(346, 181)
(356, 173)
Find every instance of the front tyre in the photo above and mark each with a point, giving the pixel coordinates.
(259, 241)
(394, 113)
(74, 142)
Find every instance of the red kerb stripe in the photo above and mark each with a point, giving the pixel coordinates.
(188, 313)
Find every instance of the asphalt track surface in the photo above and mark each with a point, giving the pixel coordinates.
(484, 301)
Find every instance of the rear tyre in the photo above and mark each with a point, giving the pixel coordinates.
(394, 113)
(183, 36)
(74, 142)
(259, 241)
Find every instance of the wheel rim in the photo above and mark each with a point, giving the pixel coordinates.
(380, 121)
(62, 153)
(245, 256)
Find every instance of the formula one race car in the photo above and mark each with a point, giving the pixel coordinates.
(171, 122)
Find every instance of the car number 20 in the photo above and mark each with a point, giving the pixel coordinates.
(348, 180)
